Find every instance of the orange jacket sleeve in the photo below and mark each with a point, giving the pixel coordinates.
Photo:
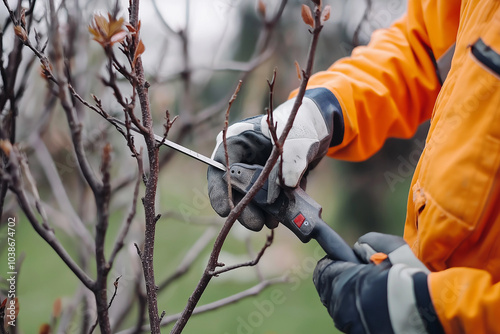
(467, 300)
(386, 89)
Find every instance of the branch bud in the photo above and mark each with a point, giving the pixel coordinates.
(21, 33)
(307, 16)
(23, 17)
(325, 14)
(297, 67)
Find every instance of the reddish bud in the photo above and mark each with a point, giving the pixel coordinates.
(297, 67)
(307, 16)
(21, 33)
(325, 14)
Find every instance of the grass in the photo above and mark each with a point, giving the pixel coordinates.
(286, 308)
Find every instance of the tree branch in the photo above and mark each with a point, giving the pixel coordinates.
(251, 263)
(126, 225)
(238, 209)
(102, 201)
(48, 235)
(224, 142)
(115, 284)
(151, 185)
(253, 291)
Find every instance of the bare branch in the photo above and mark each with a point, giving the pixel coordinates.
(238, 209)
(251, 263)
(126, 225)
(57, 187)
(17, 188)
(224, 141)
(253, 291)
(152, 182)
(30, 180)
(270, 118)
(115, 284)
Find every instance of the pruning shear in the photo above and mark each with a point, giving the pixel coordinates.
(294, 208)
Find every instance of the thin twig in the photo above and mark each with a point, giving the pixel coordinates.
(17, 188)
(103, 200)
(224, 141)
(60, 194)
(270, 118)
(238, 209)
(251, 263)
(253, 291)
(115, 284)
(149, 201)
(119, 243)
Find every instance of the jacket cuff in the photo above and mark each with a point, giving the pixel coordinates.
(424, 304)
(330, 108)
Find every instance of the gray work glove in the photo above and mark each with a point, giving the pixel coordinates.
(249, 141)
(388, 293)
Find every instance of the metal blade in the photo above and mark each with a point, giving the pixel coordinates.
(180, 148)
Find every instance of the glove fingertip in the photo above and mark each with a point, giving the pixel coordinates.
(217, 193)
(252, 218)
(320, 267)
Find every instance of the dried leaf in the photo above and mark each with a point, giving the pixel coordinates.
(297, 67)
(3, 303)
(130, 28)
(21, 33)
(44, 329)
(261, 8)
(307, 16)
(56, 308)
(325, 14)
(138, 51)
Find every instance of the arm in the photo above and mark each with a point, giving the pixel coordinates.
(389, 87)
(466, 300)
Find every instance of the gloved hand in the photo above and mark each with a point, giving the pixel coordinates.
(388, 294)
(249, 141)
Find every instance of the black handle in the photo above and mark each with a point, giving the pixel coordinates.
(333, 244)
(295, 209)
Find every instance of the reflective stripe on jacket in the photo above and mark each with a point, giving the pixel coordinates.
(387, 89)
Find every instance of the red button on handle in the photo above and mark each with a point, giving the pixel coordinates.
(299, 220)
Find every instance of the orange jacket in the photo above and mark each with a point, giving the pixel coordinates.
(387, 89)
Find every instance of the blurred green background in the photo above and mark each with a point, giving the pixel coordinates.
(356, 197)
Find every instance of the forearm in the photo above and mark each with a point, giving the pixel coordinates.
(466, 300)
(388, 88)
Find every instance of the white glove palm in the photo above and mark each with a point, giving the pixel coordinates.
(250, 141)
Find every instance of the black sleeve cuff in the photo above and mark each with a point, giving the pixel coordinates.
(424, 304)
(331, 111)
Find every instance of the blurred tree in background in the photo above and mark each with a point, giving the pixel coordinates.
(196, 52)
